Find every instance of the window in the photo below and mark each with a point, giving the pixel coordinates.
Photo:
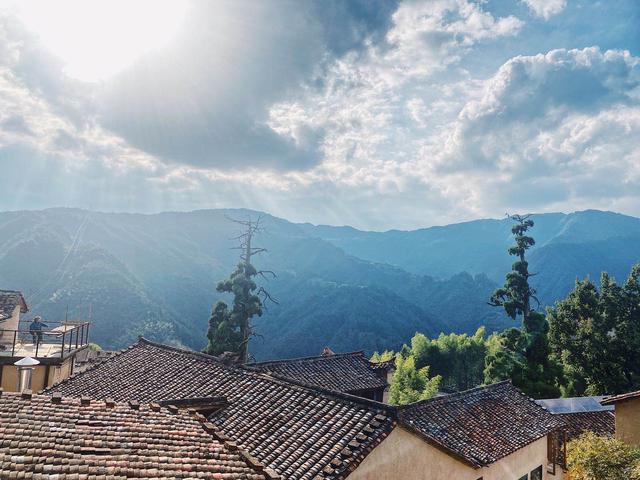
(537, 473)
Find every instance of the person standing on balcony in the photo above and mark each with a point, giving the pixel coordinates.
(35, 329)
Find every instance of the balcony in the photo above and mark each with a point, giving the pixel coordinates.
(58, 341)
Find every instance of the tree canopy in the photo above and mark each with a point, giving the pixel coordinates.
(596, 334)
(411, 384)
(522, 354)
(592, 457)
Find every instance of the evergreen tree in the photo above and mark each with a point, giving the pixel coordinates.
(516, 294)
(223, 334)
(231, 330)
(523, 354)
(596, 334)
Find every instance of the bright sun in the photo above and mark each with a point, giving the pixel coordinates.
(98, 38)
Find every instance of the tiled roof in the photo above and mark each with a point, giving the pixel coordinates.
(299, 431)
(44, 437)
(386, 365)
(9, 300)
(87, 357)
(620, 398)
(342, 372)
(481, 425)
(601, 423)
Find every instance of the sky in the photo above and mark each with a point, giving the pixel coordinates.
(376, 114)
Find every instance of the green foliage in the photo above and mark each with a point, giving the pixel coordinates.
(590, 457)
(153, 280)
(501, 359)
(522, 354)
(383, 357)
(411, 384)
(229, 330)
(596, 334)
(516, 294)
(457, 358)
(224, 334)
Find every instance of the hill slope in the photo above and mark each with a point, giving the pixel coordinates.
(155, 275)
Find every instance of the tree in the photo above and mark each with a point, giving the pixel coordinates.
(230, 330)
(382, 357)
(223, 334)
(522, 354)
(457, 358)
(596, 334)
(411, 384)
(592, 457)
(516, 294)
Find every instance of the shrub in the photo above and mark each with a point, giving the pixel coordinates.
(591, 457)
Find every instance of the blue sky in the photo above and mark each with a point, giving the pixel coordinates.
(376, 114)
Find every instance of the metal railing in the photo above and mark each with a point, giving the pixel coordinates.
(69, 335)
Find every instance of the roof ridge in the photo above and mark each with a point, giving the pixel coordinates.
(325, 391)
(265, 375)
(612, 399)
(205, 356)
(315, 357)
(453, 396)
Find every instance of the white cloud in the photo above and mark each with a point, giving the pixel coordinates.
(415, 128)
(546, 8)
(550, 130)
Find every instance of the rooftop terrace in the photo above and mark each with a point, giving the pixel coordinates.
(57, 340)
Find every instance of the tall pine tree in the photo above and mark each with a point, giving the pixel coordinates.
(523, 354)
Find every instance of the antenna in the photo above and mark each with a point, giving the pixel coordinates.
(66, 314)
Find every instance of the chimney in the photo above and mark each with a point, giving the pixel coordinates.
(26, 366)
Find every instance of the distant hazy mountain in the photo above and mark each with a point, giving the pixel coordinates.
(155, 275)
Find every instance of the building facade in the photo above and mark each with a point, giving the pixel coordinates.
(627, 408)
(55, 349)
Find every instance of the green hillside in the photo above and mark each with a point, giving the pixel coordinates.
(155, 275)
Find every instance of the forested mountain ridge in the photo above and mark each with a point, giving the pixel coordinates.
(155, 275)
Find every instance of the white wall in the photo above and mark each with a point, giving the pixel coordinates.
(405, 456)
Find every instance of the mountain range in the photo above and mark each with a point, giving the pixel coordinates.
(155, 275)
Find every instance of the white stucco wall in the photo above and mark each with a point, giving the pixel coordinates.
(405, 456)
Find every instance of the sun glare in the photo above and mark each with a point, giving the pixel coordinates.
(98, 38)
